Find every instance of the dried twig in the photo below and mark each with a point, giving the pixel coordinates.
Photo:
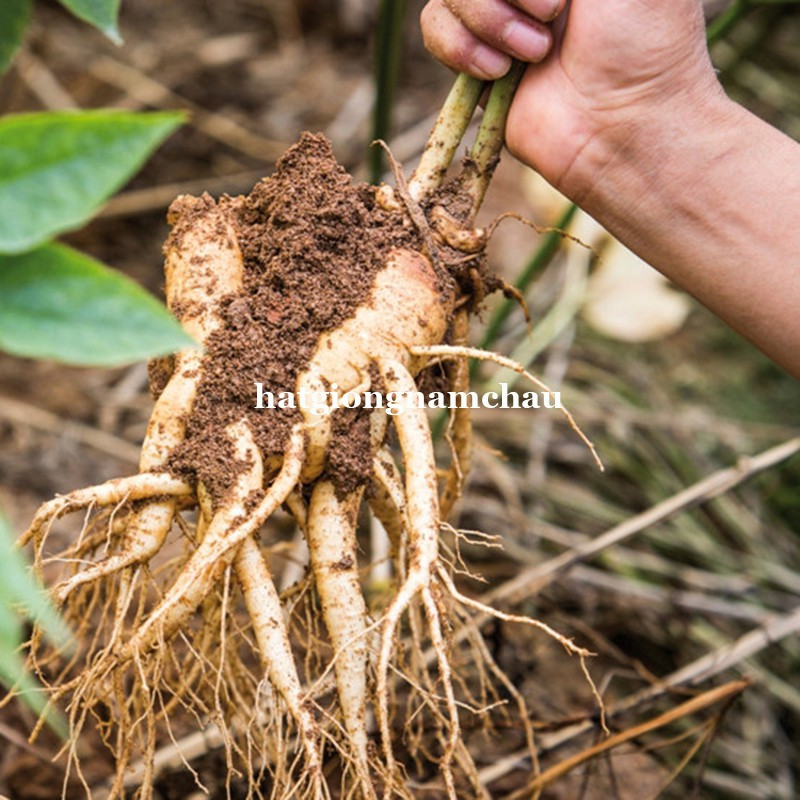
(703, 668)
(217, 126)
(533, 580)
(42, 82)
(712, 697)
(157, 198)
(20, 413)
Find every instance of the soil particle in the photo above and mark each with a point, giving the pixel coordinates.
(210, 458)
(345, 563)
(312, 243)
(159, 371)
(434, 379)
(349, 459)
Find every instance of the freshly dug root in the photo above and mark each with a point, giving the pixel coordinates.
(422, 513)
(264, 608)
(334, 562)
(234, 520)
(387, 502)
(311, 287)
(459, 434)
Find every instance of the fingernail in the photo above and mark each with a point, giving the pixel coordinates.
(489, 62)
(555, 11)
(526, 41)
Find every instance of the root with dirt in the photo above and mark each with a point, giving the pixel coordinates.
(311, 284)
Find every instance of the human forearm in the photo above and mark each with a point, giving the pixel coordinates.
(710, 196)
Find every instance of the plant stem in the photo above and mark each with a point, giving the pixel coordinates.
(446, 135)
(485, 153)
(722, 23)
(388, 49)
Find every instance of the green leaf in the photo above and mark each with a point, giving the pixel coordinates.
(14, 18)
(100, 13)
(57, 169)
(60, 304)
(18, 587)
(21, 596)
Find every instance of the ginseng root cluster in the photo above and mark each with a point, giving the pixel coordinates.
(310, 281)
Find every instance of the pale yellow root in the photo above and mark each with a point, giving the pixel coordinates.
(331, 533)
(444, 351)
(387, 502)
(413, 432)
(264, 608)
(459, 432)
(446, 679)
(581, 652)
(232, 524)
(149, 526)
(145, 535)
(272, 639)
(111, 493)
(203, 265)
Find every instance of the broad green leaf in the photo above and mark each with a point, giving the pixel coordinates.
(18, 587)
(57, 169)
(100, 13)
(20, 596)
(12, 666)
(58, 303)
(14, 18)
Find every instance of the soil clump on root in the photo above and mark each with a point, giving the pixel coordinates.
(312, 241)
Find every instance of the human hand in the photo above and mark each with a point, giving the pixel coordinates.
(609, 72)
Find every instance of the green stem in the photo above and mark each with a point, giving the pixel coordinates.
(722, 23)
(447, 133)
(388, 49)
(485, 153)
